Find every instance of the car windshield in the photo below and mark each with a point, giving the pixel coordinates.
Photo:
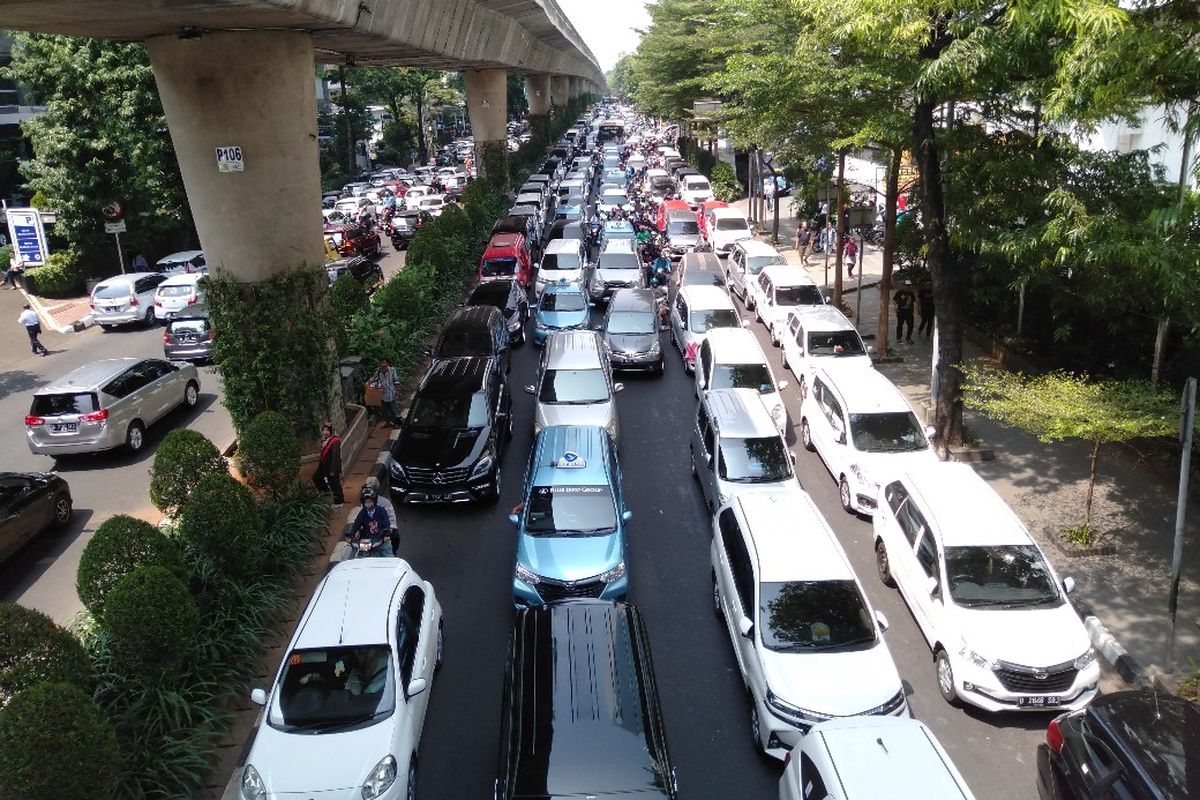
(698, 277)
(890, 432)
(798, 296)
(442, 411)
(696, 184)
(661, 182)
(813, 615)
(324, 689)
(560, 261)
(732, 224)
(574, 386)
(835, 343)
(497, 267)
(175, 291)
(571, 511)
(494, 293)
(632, 322)
(1008, 576)
(189, 326)
(456, 343)
(756, 264)
(54, 405)
(709, 318)
(562, 301)
(762, 459)
(682, 227)
(615, 259)
(742, 376)
(111, 291)
(619, 198)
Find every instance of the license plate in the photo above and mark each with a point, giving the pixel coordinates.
(1039, 701)
(64, 427)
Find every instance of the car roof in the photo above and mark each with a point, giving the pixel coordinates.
(181, 256)
(128, 277)
(816, 319)
(617, 225)
(709, 262)
(458, 375)
(336, 616)
(739, 413)
(864, 391)
(574, 350)
(633, 300)
(557, 246)
(700, 297)
(590, 446)
(754, 247)
(506, 240)
(962, 506)
(1152, 729)
(791, 537)
(189, 278)
(497, 287)
(787, 275)
(87, 376)
(623, 245)
(472, 317)
(735, 346)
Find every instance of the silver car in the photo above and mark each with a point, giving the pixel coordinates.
(125, 298)
(107, 404)
(575, 383)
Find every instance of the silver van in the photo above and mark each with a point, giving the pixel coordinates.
(107, 404)
(575, 384)
(125, 298)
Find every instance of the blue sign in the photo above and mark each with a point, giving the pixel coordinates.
(29, 239)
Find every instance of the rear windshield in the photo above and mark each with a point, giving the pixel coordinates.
(732, 224)
(495, 267)
(682, 228)
(465, 343)
(560, 261)
(175, 291)
(742, 376)
(112, 291)
(54, 405)
(706, 320)
(632, 322)
(759, 460)
(189, 326)
(574, 386)
(562, 301)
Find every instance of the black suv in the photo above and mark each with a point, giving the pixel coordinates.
(453, 435)
(474, 331)
(365, 271)
(508, 296)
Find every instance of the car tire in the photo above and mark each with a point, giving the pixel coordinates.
(411, 791)
(105, 328)
(945, 677)
(62, 509)
(806, 435)
(716, 598)
(883, 566)
(661, 368)
(802, 388)
(135, 437)
(755, 725)
(191, 394)
(844, 495)
(441, 647)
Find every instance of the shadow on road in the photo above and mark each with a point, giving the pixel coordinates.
(28, 565)
(13, 381)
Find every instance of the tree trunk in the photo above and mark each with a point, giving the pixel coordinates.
(889, 254)
(349, 125)
(841, 226)
(422, 147)
(1087, 504)
(949, 279)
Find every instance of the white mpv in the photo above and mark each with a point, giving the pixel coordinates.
(807, 642)
(731, 358)
(1003, 633)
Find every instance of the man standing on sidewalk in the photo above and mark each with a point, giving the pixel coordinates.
(803, 241)
(904, 300)
(925, 306)
(385, 380)
(33, 327)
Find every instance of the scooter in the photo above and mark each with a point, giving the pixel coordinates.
(366, 547)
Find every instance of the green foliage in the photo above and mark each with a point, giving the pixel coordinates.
(56, 743)
(61, 276)
(35, 650)
(347, 297)
(152, 620)
(120, 545)
(1083, 535)
(220, 524)
(724, 185)
(677, 53)
(620, 78)
(270, 453)
(272, 347)
(181, 460)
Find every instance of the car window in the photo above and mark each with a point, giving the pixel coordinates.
(127, 382)
(813, 615)
(456, 343)
(704, 320)
(911, 521)
(431, 410)
(408, 631)
(742, 376)
(798, 296)
(739, 565)
(762, 459)
(330, 688)
(54, 405)
(154, 370)
(632, 322)
(196, 325)
(111, 291)
(927, 555)
(1009, 576)
(890, 432)
(705, 426)
(812, 786)
(835, 343)
(562, 301)
(571, 511)
(574, 386)
(706, 359)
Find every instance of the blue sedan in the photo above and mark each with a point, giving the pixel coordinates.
(563, 306)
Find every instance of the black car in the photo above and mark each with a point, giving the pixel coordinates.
(189, 337)
(405, 225)
(522, 224)
(453, 435)
(1141, 745)
(365, 271)
(631, 331)
(508, 296)
(30, 502)
(580, 709)
(474, 331)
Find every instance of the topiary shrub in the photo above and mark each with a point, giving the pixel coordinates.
(60, 276)
(220, 523)
(182, 459)
(152, 621)
(269, 452)
(35, 650)
(56, 743)
(122, 544)
(724, 184)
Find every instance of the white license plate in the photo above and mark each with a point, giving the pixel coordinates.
(64, 427)
(1039, 701)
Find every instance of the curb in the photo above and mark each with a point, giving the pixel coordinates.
(1107, 646)
(378, 471)
(48, 321)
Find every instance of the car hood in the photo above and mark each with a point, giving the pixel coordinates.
(310, 763)
(685, 240)
(591, 414)
(838, 683)
(877, 464)
(630, 342)
(569, 558)
(562, 319)
(1030, 637)
(728, 237)
(622, 275)
(440, 447)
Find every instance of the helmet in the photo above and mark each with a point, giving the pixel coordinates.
(369, 492)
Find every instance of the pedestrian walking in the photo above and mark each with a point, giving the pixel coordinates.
(804, 241)
(140, 264)
(851, 251)
(328, 477)
(33, 327)
(904, 300)
(385, 381)
(14, 275)
(769, 193)
(828, 237)
(925, 308)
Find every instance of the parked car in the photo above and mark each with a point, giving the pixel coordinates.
(1004, 635)
(474, 331)
(747, 258)
(731, 358)
(352, 240)
(724, 227)
(189, 336)
(631, 331)
(363, 270)
(176, 294)
(507, 295)
(107, 404)
(561, 306)
(346, 709)
(506, 256)
(571, 539)
(776, 291)
(819, 335)
(574, 384)
(696, 311)
(30, 502)
(184, 261)
(123, 299)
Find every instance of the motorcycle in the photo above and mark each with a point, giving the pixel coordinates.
(368, 547)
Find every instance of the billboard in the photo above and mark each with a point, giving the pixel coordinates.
(28, 236)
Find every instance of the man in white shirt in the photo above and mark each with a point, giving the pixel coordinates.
(33, 327)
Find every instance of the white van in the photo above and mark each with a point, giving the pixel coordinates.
(817, 335)
(731, 358)
(696, 311)
(776, 291)
(176, 294)
(562, 262)
(736, 447)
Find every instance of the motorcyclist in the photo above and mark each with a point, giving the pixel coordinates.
(373, 525)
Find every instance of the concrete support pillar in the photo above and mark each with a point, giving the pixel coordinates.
(574, 86)
(251, 90)
(537, 92)
(487, 103)
(561, 90)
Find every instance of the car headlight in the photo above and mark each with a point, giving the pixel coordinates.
(608, 576)
(801, 717)
(483, 465)
(777, 412)
(611, 427)
(979, 660)
(722, 498)
(397, 470)
(253, 786)
(525, 576)
(382, 776)
(655, 347)
(1086, 659)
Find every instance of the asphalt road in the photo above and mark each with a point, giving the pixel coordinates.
(467, 553)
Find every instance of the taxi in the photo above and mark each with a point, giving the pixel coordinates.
(571, 522)
(562, 306)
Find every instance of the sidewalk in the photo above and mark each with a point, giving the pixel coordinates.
(63, 314)
(1045, 485)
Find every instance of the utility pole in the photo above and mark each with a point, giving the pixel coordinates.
(1186, 424)
(841, 226)
(349, 125)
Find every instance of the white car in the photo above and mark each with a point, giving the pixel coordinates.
(349, 206)
(747, 258)
(997, 617)
(413, 196)
(808, 643)
(736, 447)
(611, 199)
(695, 189)
(344, 715)
(433, 203)
(723, 227)
(777, 290)
(731, 358)
(696, 311)
(176, 294)
(819, 335)
(862, 426)
(562, 262)
(575, 384)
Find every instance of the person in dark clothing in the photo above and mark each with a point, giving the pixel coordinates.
(925, 307)
(904, 300)
(373, 524)
(328, 477)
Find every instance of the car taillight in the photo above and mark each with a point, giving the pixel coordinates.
(157, 302)
(95, 416)
(166, 338)
(193, 300)
(33, 421)
(133, 301)
(1054, 737)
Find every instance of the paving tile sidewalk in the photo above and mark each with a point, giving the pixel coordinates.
(61, 314)
(1046, 484)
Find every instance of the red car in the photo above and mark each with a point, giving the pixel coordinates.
(703, 209)
(669, 205)
(353, 240)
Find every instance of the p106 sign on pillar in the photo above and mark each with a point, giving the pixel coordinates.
(229, 159)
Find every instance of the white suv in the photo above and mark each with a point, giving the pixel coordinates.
(807, 641)
(723, 227)
(996, 616)
(747, 258)
(776, 291)
(731, 358)
(817, 335)
(345, 713)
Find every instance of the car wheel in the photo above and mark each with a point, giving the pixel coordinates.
(150, 318)
(844, 495)
(945, 677)
(802, 388)
(882, 566)
(105, 328)
(755, 725)
(191, 395)
(806, 435)
(661, 368)
(783, 362)
(441, 647)
(716, 597)
(411, 794)
(135, 437)
(62, 509)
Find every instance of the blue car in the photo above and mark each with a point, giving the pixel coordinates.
(571, 523)
(615, 229)
(563, 306)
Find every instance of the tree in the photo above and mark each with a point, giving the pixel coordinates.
(152, 621)
(517, 102)
(677, 54)
(122, 544)
(34, 650)
(621, 81)
(183, 457)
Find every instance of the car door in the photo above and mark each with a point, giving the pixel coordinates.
(703, 371)
(416, 635)
(703, 456)
(793, 348)
(729, 561)
(17, 518)
(928, 587)
(159, 396)
(679, 315)
(130, 399)
(763, 294)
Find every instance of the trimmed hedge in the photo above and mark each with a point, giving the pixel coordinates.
(152, 620)
(220, 524)
(56, 744)
(120, 545)
(269, 452)
(182, 459)
(61, 276)
(34, 650)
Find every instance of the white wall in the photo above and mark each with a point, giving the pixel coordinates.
(1151, 132)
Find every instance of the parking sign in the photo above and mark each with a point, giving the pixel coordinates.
(28, 236)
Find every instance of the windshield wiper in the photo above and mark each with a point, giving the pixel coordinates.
(847, 643)
(584, 531)
(322, 727)
(1028, 601)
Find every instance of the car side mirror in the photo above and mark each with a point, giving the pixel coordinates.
(514, 519)
(828, 300)
(782, 385)
(415, 687)
(530, 388)
(931, 586)
(792, 456)
(870, 348)
(426, 352)
(841, 437)
(881, 620)
(745, 323)
(745, 627)
(258, 697)
(1068, 584)
(618, 387)
(626, 515)
(930, 431)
